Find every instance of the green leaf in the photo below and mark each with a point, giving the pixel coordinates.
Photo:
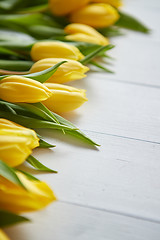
(101, 67)
(41, 110)
(15, 109)
(32, 122)
(112, 31)
(18, 47)
(37, 110)
(34, 9)
(28, 175)
(15, 65)
(129, 22)
(8, 218)
(40, 76)
(76, 133)
(37, 123)
(27, 20)
(61, 20)
(5, 51)
(9, 173)
(60, 120)
(47, 111)
(45, 74)
(84, 47)
(90, 56)
(39, 166)
(79, 134)
(9, 109)
(44, 144)
(45, 32)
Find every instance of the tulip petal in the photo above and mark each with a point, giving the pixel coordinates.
(16, 199)
(64, 98)
(97, 15)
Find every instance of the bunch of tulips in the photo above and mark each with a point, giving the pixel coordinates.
(65, 39)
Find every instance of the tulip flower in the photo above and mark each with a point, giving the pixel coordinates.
(22, 89)
(3, 236)
(16, 142)
(34, 196)
(64, 98)
(55, 49)
(69, 71)
(97, 15)
(63, 7)
(114, 3)
(84, 33)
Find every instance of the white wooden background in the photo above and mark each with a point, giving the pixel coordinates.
(112, 193)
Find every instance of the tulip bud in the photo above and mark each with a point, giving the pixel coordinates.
(22, 89)
(63, 7)
(64, 98)
(53, 49)
(3, 236)
(97, 15)
(84, 33)
(16, 142)
(114, 3)
(16, 199)
(69, 71)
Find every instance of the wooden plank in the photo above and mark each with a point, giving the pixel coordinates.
(136, 61)
(63, 221)
(123, 176)
(118, 108)
(117, 186)
(142, 4)
(148, 13)
(136, 58)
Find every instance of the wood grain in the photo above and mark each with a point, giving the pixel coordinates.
(121, 109)
(112, 193)
(79, 223)
(123, 176)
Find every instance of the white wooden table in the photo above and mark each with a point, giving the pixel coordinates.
(112, 193)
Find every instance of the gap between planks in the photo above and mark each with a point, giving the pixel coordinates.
(114, 135)
(112, 212)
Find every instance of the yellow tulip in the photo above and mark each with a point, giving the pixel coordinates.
(63, 7)
(55, 49)
(69, 71)
(16, 142)
(16, 199)
(64, 98)
(22, 89)
(84, 33)
(114, 3)
(3, 236)
(97, 15)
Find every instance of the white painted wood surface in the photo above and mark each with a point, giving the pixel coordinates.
(114, 192)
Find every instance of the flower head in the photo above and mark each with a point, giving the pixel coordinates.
(15, 198)
(63, 7)
(16, 142)
(22, 89)
(114, 3)
(55, 49)
(64, 98)
(97, 15)
(84, 33)
(69, 71)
